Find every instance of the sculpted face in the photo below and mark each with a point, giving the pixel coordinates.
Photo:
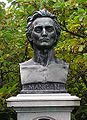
(44, 33)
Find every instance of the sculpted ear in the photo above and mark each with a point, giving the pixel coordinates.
(29, 29)
(28, 34)
(58, 35)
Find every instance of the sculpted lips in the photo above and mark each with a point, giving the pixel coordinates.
(44, 39)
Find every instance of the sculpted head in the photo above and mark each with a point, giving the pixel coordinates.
(43, 31)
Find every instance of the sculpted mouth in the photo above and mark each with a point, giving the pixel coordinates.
(44, 39)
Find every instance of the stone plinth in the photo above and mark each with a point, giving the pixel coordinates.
(43, 106)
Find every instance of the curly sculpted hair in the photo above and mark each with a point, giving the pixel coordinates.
(39, 14)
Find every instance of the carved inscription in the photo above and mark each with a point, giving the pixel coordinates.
(49, 86)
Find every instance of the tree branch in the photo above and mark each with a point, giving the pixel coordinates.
(64, 28)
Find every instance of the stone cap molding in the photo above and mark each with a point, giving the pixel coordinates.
(43, 100)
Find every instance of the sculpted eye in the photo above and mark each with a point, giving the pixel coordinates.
(49, 28)
(38, 29)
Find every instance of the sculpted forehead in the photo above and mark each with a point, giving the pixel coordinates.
(43, 21)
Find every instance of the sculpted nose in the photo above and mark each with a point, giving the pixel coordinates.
(44, 33)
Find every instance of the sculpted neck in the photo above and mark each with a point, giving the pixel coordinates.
(44, 57)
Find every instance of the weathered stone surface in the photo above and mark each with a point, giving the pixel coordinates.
(43, 106)
(33, 100)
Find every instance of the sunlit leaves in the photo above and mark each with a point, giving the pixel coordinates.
(81, 1)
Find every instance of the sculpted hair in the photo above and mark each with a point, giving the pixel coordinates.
(39, 14)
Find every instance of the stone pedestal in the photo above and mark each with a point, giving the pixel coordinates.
(43, 106)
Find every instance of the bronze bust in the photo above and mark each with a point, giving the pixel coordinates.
(43, 73)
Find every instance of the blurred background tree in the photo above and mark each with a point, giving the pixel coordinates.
(72, 47)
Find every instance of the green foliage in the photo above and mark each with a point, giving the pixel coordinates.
(72, 47)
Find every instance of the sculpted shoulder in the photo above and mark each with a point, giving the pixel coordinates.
(27, 63)
(58, 62)
(63, 63)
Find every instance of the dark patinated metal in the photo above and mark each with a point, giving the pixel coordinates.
(43, 73)
(48, 87)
